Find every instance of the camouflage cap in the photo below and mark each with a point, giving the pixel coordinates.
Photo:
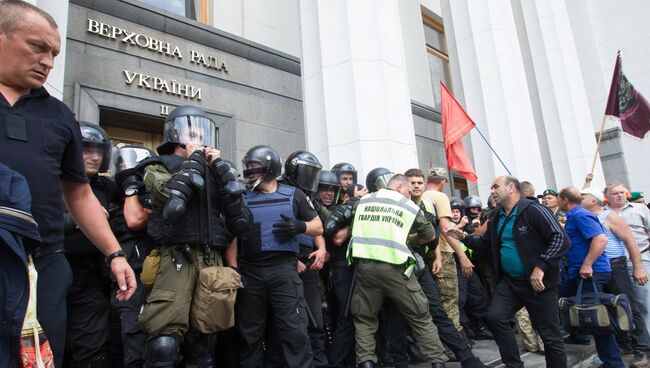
(438, 171)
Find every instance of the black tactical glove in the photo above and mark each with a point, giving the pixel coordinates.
(284, 231)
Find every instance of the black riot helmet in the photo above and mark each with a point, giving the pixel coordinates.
(378, 178)
(185, 125)
(126, 159)
(301, 168)
(457, 204)
(473, 201)
(329, 179)
(268, 158)
(92, 136)
(345, 168)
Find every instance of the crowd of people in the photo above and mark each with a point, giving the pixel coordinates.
(171, 258)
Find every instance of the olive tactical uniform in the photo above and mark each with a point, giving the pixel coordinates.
(384, 266)
(193, 203)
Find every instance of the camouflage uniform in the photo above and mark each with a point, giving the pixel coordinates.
(447, 281)
(529, 337)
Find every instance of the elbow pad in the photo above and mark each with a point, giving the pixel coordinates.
(226, 178)
(340, 218)
(238, 217)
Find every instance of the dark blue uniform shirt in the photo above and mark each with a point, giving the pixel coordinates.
(40, 138)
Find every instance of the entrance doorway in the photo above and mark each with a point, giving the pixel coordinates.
(125, 127)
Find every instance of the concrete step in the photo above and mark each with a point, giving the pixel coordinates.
(578, 356)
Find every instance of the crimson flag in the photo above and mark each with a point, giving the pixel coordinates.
(627, 104)
(455, 124)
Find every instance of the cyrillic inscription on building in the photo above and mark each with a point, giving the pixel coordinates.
(153, 44)
(170, 87)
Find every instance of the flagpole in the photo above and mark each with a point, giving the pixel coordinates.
(600, 138)
(493, 151)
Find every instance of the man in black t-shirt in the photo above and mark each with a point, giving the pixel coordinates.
(40, 139)
(266, 257)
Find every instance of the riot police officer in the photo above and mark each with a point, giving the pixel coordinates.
(472, 297)
(88, 300)
(473, 207)
(341, 351)
(266, 256)
(129, 224)
(346, 173)
(301, 170)
(197, 202)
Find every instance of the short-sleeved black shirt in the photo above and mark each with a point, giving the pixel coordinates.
(45, 149)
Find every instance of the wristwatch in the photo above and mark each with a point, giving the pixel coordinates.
(130, 192)
(109, 258)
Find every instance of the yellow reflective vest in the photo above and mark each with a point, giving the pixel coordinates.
(428, 205)
(381, 227)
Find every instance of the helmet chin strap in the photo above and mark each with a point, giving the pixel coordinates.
(253, 186)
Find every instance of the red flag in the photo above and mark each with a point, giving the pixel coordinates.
(627, 104)
(455, 124)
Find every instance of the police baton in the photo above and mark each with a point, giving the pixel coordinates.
(346, 312)
(312, 319)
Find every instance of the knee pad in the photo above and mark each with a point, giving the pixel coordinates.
(163, 352)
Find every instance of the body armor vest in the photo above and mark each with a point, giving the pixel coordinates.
(266, 209)
(201, 224)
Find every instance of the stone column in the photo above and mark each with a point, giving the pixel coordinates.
(356, 96)
(552, 61)
(489, 78)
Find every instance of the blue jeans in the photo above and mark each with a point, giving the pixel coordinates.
(605, 344)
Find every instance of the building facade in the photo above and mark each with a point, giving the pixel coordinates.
(358, 81)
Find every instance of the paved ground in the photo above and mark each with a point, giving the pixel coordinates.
(578, 356)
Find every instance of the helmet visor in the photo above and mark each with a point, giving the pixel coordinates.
(128, 158)
(307, 174)
(382, 180)
(192, 130)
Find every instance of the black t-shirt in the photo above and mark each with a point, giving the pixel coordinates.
(40, 138)
(303, 210)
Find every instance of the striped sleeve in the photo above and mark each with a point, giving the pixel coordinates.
(556, 241)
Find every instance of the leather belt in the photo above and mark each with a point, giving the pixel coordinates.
(47, 250)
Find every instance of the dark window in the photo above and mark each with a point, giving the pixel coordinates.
(185, 8)
(438, 59)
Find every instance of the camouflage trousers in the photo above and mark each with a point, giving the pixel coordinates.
(529, 337)
(447, 281)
